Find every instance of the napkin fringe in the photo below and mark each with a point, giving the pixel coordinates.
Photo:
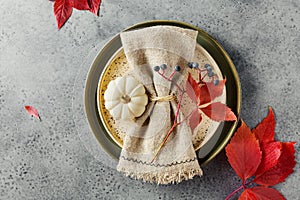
(166, 177)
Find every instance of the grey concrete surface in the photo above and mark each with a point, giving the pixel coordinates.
(39, 64)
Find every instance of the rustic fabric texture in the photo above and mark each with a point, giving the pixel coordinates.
(177, 161)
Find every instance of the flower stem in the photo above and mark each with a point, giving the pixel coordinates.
(169, 79)
(175, 120)
(163, 142)
(178, 107)
(172, 75)
(235, 191)
(243, 186)
(199, 74)
(201, 80)
(186, 117)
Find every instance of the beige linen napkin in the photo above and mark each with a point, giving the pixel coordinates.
(177, 160)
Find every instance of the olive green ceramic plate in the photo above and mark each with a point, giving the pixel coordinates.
(233, 93)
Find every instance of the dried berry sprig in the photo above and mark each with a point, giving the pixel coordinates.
(175, 123)
(161, 71)
(208, 72)
(208, 91)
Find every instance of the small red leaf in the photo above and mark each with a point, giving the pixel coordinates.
(219, 112)
(80, 4)
(282, 169)
(261, 193)
(94, 6)
(62, 11)
(243, 152)
(192, 89)
(270, 155)
(195, 119)
(32, 111)
(209, 91)
(265, 131)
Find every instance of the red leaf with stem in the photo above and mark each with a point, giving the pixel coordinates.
(277, 161)
(261, 193)
(243, 152)
(219, 112)
(94, 6)
(62, 11)
(270, 155)
(209, 91)
(282, 169)
(195, 119)
(265, 131)
(33, 112)
(192, 89)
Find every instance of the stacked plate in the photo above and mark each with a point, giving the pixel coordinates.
(106, 60)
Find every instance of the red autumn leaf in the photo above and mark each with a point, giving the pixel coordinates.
(63, 8)
(195, 119)
(219, 112)
(33, 112)
(282, 169)
(192, 89)
(94, 6)
(62, 11)
(270, 155)
(209, 91)
(261, 193)
(265, 131)
(243, 152)
(80, 4)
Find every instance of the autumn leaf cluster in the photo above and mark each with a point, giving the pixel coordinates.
(258, 158)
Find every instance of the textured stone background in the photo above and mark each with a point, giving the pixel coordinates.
(39, 64)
